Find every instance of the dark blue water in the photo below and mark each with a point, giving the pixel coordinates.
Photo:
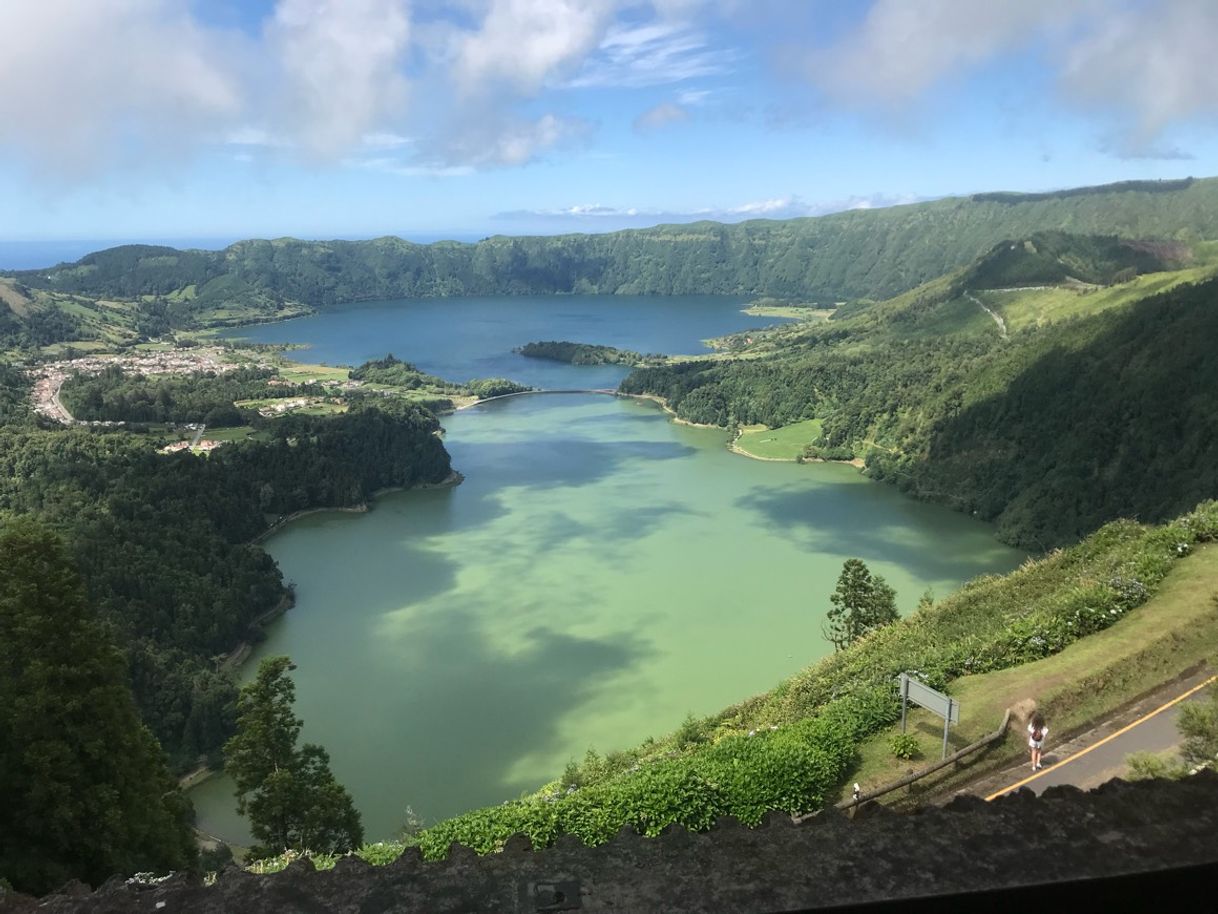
(463, 338)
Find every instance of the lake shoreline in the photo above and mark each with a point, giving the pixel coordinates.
(234, 659)
(454, 478)
(565, 493)
(857, 462)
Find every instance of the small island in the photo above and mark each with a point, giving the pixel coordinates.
(584, 353)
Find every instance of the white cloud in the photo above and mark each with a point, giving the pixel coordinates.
(662, 115)
(1144, 65)
(385, 140)
(763, 208)
(902, 48)
(85, 82)
(655, 54)
(408, 169)
(93, 86)
(789, 206)
(523, 43)
(254, 136)
(694, 98)
(1149, 65)
(339, 68)
(502, 141)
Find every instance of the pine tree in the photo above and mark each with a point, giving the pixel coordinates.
(861, 602)
(86, 790)
(289, 794)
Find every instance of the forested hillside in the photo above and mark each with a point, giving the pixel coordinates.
(1049, 432)
(1059, 257)
(868, 253)
(162, 542)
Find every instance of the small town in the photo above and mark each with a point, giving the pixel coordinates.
(49, 377)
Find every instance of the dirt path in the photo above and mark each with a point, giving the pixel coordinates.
(1002, 325)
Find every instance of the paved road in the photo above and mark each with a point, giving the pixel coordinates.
(1098, 755)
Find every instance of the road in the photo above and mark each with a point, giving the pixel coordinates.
(1092, 758)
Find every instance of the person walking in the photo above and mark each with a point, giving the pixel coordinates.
(1037, 731)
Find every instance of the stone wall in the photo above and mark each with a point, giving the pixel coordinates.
(1004, 850)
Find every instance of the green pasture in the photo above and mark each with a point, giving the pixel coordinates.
(785, 443)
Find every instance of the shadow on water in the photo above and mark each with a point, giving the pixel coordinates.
(860, 523)
(553, 461)
(613, 533)
(485, 706)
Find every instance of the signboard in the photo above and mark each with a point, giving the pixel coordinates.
(921, 694)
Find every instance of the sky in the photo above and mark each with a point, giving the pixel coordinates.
(212, 120)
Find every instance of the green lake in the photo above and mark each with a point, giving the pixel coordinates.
(600, 573)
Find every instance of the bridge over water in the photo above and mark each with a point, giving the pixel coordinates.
(606, 391)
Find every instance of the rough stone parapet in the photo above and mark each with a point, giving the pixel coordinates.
(967, 846)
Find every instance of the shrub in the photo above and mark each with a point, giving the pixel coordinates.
(905, 746)
(1145, 766)
(806, 730)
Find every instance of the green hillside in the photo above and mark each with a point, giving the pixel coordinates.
(872, 253)
(1081, 405)
(791, 748)
(1055, 257)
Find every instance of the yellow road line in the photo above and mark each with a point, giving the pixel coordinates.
(1111, 736)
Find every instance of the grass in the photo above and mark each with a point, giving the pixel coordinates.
(1036, 307)
(321, 409)
(797, 312)
(237, 433)
(304, 373)
(786, 443)
(1085, 683)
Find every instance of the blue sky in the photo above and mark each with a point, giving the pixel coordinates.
(223, 119)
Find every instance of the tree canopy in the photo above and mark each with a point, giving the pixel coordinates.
(289, 794)
(87, 793)
(861, 602)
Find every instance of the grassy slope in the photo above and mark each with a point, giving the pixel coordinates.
(1175, 630)
(1037, 307)
(785, 443)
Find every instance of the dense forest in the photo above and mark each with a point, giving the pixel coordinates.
(161, 542)
(87, 791)
(118, 396)
(581, 353)
(872, 253)
(1049, 433)
(394, 372)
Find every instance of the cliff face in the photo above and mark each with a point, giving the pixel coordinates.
(1123, 841)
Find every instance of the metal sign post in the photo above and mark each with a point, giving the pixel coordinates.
(922, 694)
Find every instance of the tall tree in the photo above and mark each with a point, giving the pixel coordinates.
(87, 793)
(289, 794)
(861, 602)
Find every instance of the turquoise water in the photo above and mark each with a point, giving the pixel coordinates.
(601, 573)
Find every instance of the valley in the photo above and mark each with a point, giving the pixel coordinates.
(674, 577)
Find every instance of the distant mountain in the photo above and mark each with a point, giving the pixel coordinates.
(860, 253)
